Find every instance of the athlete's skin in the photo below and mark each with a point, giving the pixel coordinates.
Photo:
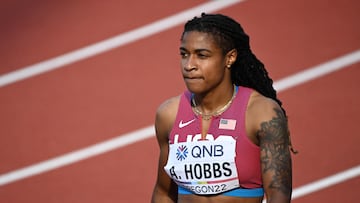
(207, 75)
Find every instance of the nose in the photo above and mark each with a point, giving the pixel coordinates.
(190, 67)
(189, 64)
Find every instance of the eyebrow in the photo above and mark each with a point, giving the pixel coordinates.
(196, 50)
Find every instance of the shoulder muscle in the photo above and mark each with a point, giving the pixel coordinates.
(165, 117)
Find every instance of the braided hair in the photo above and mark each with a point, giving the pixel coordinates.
(247, 70)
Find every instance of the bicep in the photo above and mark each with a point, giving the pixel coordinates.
(165, 189)
(163, 180)
(275, 156)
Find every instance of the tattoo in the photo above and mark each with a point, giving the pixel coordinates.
(275, 155)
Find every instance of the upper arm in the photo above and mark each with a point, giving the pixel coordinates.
(271, 130)
(165, 189)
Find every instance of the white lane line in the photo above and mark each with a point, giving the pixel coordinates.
(114, 42)
(318, 71)
(126, 139)
(326, 182)
(77, 156)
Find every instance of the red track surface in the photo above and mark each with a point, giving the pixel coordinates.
(118, 91)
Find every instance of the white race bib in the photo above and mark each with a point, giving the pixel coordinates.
(204, 167)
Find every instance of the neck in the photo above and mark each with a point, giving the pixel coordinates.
(209, 106)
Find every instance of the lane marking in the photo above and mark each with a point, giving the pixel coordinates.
(112, 43)
(318, 71)
(79, 155)
(326, 182)
(147, 132)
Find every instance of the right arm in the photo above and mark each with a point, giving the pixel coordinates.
(165, 190)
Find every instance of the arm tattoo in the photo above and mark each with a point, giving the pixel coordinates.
(275, 155)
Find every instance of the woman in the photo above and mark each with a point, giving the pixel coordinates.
(225, 139)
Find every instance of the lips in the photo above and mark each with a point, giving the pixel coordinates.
(188, 77)
(192, 79)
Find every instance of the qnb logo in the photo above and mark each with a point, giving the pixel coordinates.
(182, 152)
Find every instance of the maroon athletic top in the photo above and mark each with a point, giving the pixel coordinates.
(187, 127)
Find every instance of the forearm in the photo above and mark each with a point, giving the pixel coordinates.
(161, 199)
(279, 198)
(160, 196)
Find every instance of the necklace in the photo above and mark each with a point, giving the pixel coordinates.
(204, 116)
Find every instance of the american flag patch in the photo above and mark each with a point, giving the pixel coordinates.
(227, 124)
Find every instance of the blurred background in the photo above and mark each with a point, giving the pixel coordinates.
(80, 82)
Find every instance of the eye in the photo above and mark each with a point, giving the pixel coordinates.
(202, 55)
(183, 54)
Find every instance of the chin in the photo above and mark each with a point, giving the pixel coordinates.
(196, 89)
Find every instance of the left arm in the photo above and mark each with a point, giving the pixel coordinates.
(273, 136)
(267, 127)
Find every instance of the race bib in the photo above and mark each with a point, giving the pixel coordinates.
(204, 167)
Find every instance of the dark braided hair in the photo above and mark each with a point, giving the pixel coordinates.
(247, 70)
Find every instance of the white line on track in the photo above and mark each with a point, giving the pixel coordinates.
(325, 182)
(76, 156)
(112, 43)
(318, 71)
(147, 132)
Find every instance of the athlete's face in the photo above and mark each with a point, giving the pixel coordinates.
(203, 63)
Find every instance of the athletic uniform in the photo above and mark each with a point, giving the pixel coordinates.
(226, 162)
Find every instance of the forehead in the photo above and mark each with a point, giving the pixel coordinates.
(198, 40)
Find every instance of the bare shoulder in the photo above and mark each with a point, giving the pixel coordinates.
(168, 109)
(165, 116)
(263, 108)
(267, 119)
(168, 106)
(262, 111)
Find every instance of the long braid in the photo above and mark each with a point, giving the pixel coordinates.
(247, 70)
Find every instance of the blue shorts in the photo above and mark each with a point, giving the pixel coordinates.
(238, 192)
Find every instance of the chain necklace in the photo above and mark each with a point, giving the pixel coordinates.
(204, 116)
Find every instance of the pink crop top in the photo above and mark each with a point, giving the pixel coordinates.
(187, 126)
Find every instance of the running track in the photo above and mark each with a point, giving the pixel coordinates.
(77, 111)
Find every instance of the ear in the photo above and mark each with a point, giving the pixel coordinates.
(231, 57)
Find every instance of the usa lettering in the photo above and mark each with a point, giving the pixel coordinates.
(197, 137)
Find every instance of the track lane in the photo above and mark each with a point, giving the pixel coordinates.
(343, 192)
(140, 165)
(272, 61)
(70, 90)
(37, 30)
(123, 175)
(324, 134)
(292, 35)
(141, 134)
(319, 116)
